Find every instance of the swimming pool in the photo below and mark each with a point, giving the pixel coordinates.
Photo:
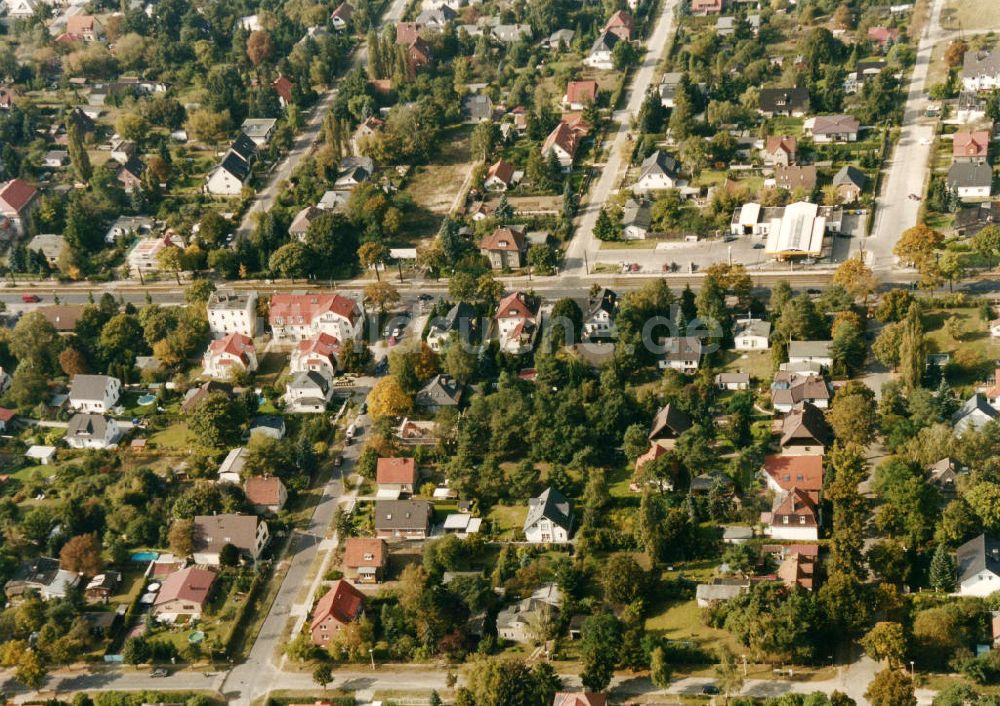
(146, 399)
(145, 556)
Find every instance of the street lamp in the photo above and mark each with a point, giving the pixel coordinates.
(911, 668)
(371, 653)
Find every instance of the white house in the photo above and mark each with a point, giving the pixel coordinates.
(659, 171)
(980, 70)
(549, 519)
(297, 316)
(810, 352)
(600, 315)
(229, 177)
(231, 468)
(94, 393)
(248, 533)
(224, 355)
(20, 9)
(974, 414)
(794, 516)
(752, 335)
(682, 353)
(259, 129)
(316, 354)
(601, 53)
(970, 180)
(232, 312)
(978, 566)
(517, 322)
(92, 431)
(308, 392)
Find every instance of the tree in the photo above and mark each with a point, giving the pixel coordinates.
(382, 295)
(887, 345)
(72, 362)
(507, 681)
(372, 255)
(171, 259)
(916, 245)
(606, 228)
(229, 555)
(459, 361)
(136, 650)
(951, 268)
(912, 349)
(987, 243)
(727, 673)
(943, 571)
(78, 156)
(624, 581)
(291, 260)
(659, 668)
(856, 277)
(885, 642)
(955, 53)
(388, 399)
(82, 555)
(599, 641)
(259, 47)
(853, 414)
(217, 421)
(891, 687)
(35, 343)
(180, 538)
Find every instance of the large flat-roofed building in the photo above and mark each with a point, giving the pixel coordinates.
(797, 233)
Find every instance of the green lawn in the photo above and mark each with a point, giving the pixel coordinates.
(174, 438)
(973, 354)
(757, 363)
(508, 519)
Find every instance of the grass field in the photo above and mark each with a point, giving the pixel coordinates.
(757, 363)
(971, 14)
(972, 355)
(433, 187)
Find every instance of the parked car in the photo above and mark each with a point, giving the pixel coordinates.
(710, 689)
(30, 298)
(159, 672)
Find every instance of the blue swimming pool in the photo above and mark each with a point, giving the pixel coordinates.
(146, 399)
(145, 556)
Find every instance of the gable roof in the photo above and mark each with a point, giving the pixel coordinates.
(752, 327)
(849, 174)
(564, 137)
(88, 425)
(357, 548)
(283, 87)
(89, 387)
(796, 502)
(782, 99)
(976, 555)
(190, 585)
(442, 390)
(235, 165)
(212, 532)
(303, 308)
(235, 344)
(785, 143)
(504, 239)
(805, 472)
(963, 174)
(515, 306)
(344, 11)
(791, 388)
(974, 143)
(581, 91)
(606, 301)
(795, 176)
(835, 124)
(659, 163)
(502, 170)
(303, 219)
(579, 698)
(322, 344)
(15, 195)
(804, 423)
(975, 404)
(605, 42)
(669, 419)
(244, 147)
(263, 490)
(402, 514)
(343, 602)
(682, 348)
(550, 505)
(396, 470)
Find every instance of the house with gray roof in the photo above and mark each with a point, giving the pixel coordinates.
(94, 393)
(600, 315)
(600, 56)
(478, 108)
(974, 415)
(508, 34)
(810, 352)
(520, 622)
(92, 431)
(402, 519)
(849, 182)
(970, 180)
(549, 519)
(561, 37)
(248, 533)
(978, 566)
(658, 171)
(461, 319)
(752, 335)
(308, 392)
(442, 391)
(980, 70)
(42, 576)
(636, 219)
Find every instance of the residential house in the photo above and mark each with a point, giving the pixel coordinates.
(94, 393)
(231, 468)
(267, 494)
(752, 335)
(55, 159)
(340, 18)
(517, 322)
(500, 176)
(970, 180)
(49, 245)
(436, 18)
(368, 129)
(706, 7)
(234, 352)
(303, 219)
(805, 431)
(248, 533)
(340, 605)
(668, 424)
(183, 595)
(478, 108)
(668, 87)
(353, 171)
(621, 24)
(229, 177)
(402, 519)
(658, 171)
(122, 150)
(971, 146)
(780, 150)
(558, 39)
(41, 576)
(101, 587)
(793, 102)
(725, 26)
(798, 567)
(18, 199)
(334, 199)
(790, 388)
(412, 432)
(294, 317)
(519, 622)
(367, 557)
(811, 352)
(794, 516)
(508, 34)
(460, 320)
(579, 698)
(231, 312)
(316, 354)
(971, 108)
(259, 130)
(601, 54)
(563, 142)
(796, 177)
(943, 475)
(580, 94)
(505, 248)
(144, 255)
(130, 174)
(283, 87)
(784, 472)
(834, 128)
(849, 182)
(418, 54)
(395, 477)
(6, 415)
(995, 328)
(973, 415)
(308, 392)
(269, 425)
(883, 37)
(978, 566)
(992, 393)
(86, 27)
(92, 431)
(129, 227)
(636, 219)
(719, 591)
(442, 391)
(980, 70)
(19, 9)
(194, 396)
(732, 381)
(681, 353)
(599, 317)
(549, 519)
(863, 72)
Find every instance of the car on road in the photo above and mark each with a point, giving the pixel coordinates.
(710, 690)
(159, 672)
(813, 290)
(758, 246)
(364, 408)
(30, 298)
(338, 462)
(425, 298)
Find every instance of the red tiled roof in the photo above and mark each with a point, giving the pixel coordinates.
(79, 24)
(621, 24)
(357, 548)
(881, 35)
(581, 91)
(796, 503)
(514, 306)
(283, 87)
(235, 344)
(787, 143)
(805, 472)
(263, 490)
(303, 308)
(342, 602)
(322, 344)
(190, 584)
(579, 698)
(344, 11)
(396, 470)
(563, 136)
(971, 144)
(502, 170)
(407, 32)
(503, 239)
(7, 414)
(15, 195)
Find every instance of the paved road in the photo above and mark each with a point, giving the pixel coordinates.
(583, 241)
(309, 137)
(910, 160)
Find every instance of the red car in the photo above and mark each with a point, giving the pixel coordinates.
(30, 298)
